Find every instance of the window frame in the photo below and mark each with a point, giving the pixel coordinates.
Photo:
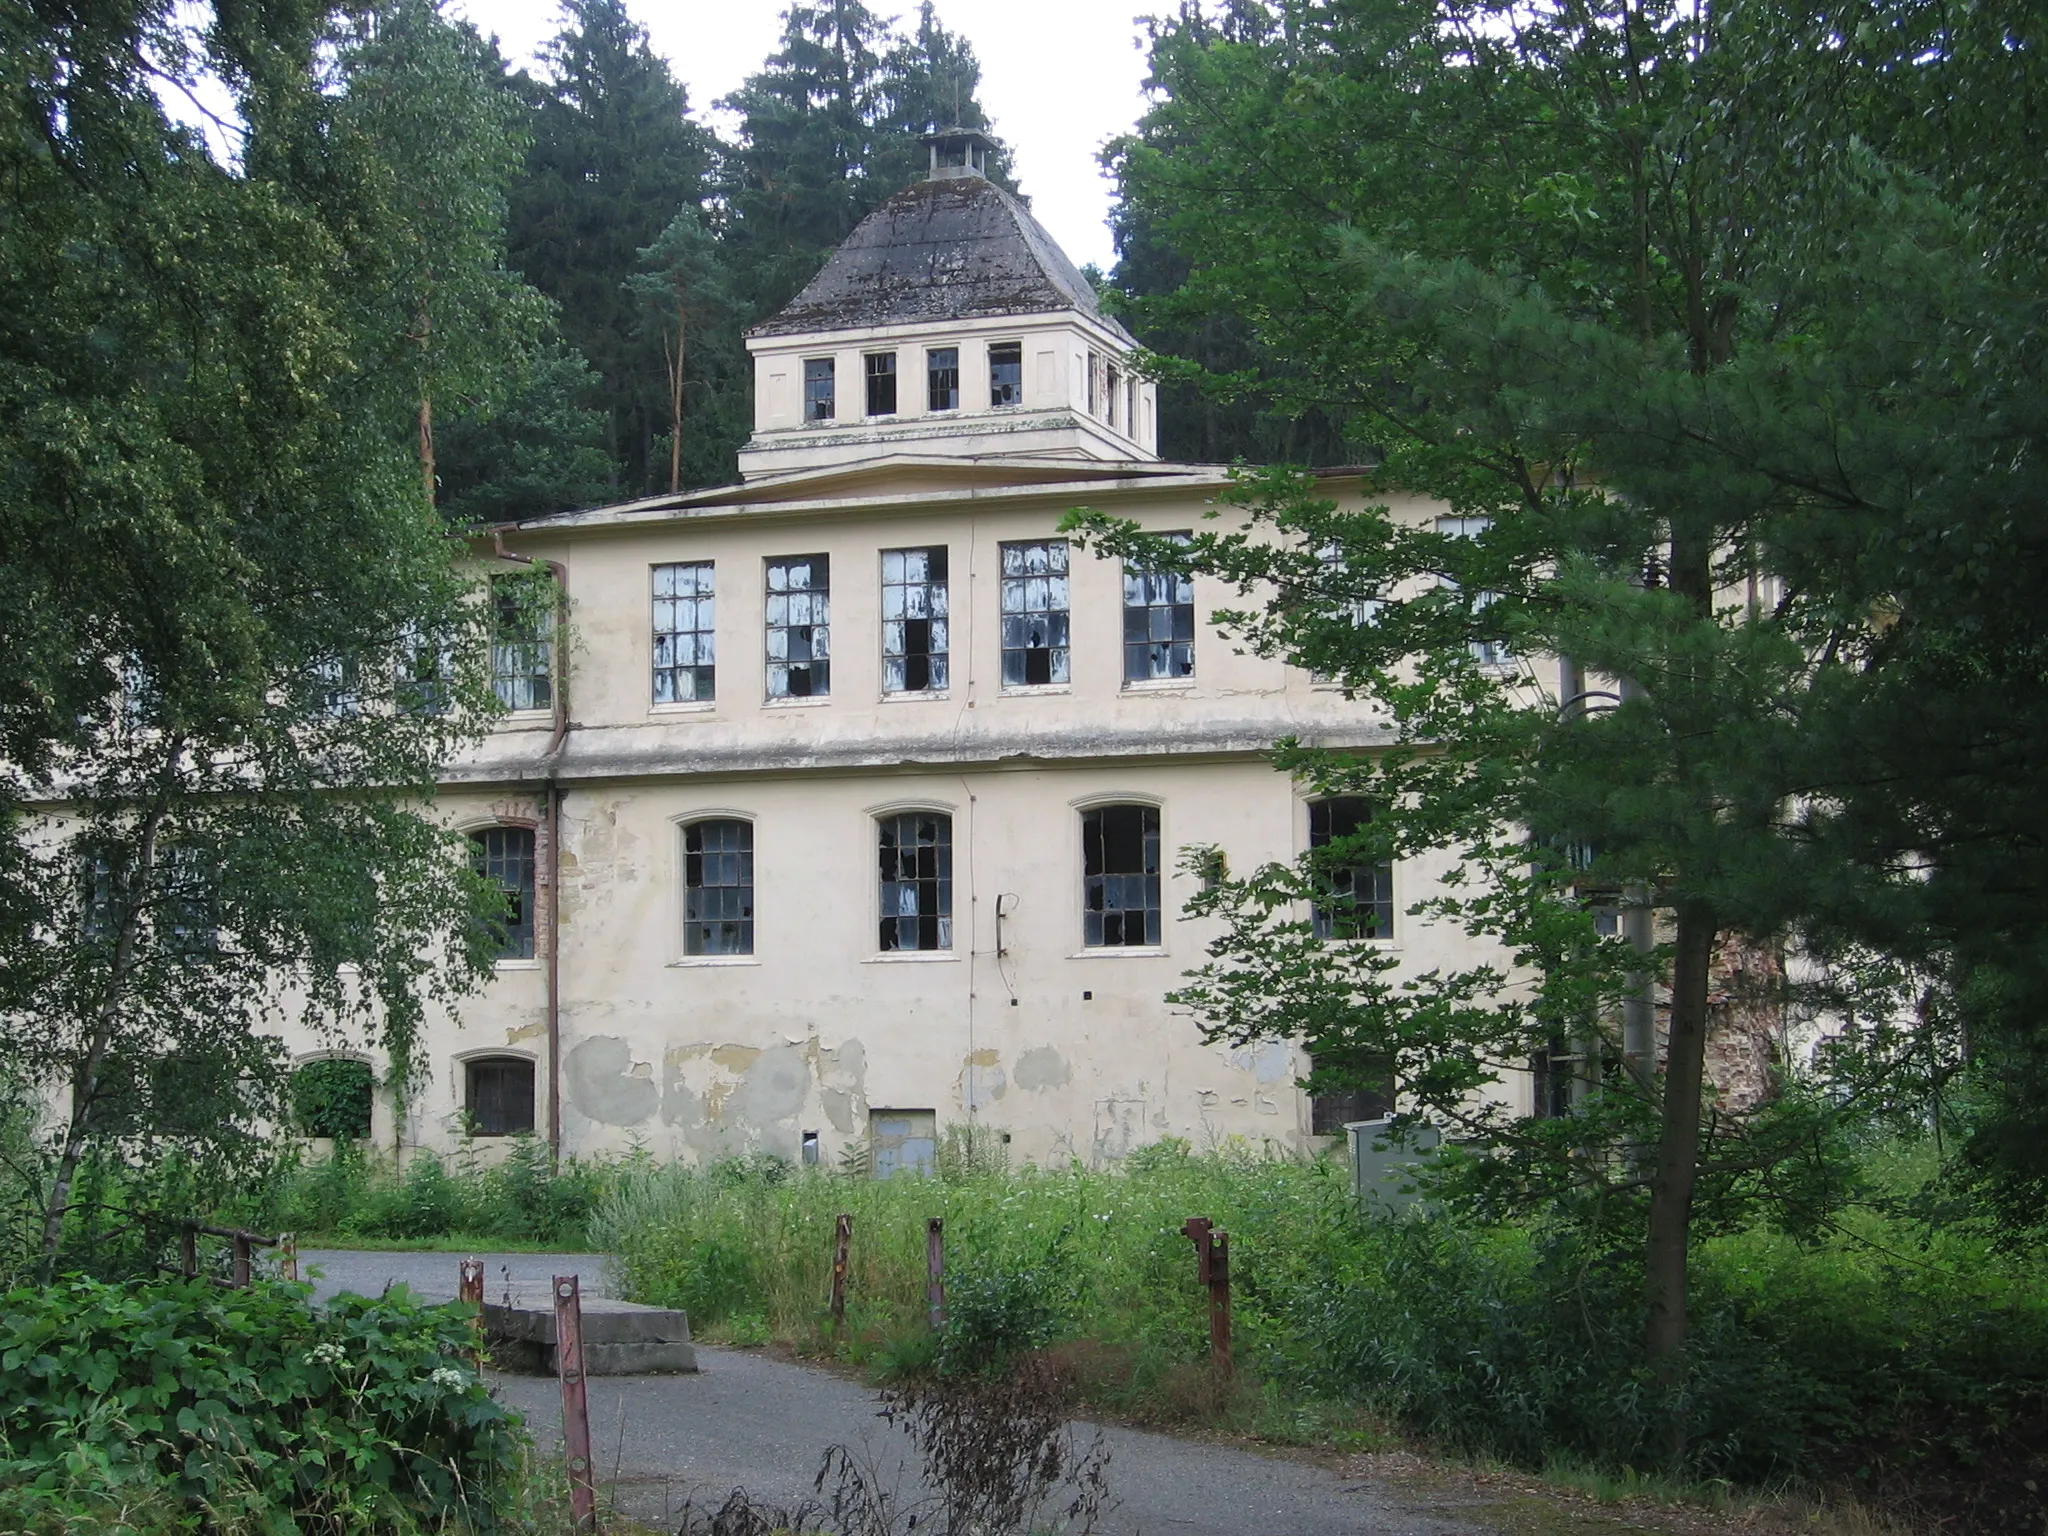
(1094, 935)
(934, 371)
(889, 929)
(937, 619)
(1384, 906)
(1058, 618)
(519, 940)
(873, 376)
(499, 1062)
(1148, 646)
(825, 371)
(743, 855)
(703, 635)
(1016, 386)
(817, 664)
(522, 658)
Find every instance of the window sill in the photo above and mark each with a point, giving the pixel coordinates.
(912, 957)
(516, 965)
(696, 707)
(809, 701)
(1159, 685)
(1122, 952)
(914, 696)
(693, 962)
(525, 719)
(1032, 690)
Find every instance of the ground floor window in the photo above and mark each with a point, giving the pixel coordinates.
(333, 1098)
(497, 1095)
(1363, 1089)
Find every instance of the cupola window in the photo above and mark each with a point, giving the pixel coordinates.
(942, 376)
(819, 404)
(881, 383)
(1006, 373)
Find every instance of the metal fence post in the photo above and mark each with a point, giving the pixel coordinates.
(842, 1239)
(935, 1271)
(575, 1403)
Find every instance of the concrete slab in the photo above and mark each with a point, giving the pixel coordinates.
(620, 1338)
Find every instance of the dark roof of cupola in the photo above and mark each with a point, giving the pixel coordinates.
(953, 248)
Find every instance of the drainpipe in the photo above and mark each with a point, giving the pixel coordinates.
(552, 793)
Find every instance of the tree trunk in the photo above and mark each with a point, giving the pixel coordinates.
(1666, 1259)
(85, 1078)
(675, 405)
(427, 470)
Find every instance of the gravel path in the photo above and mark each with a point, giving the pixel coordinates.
(749, 1420)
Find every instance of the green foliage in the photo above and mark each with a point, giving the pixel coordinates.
(333, 1098)
(252, 1408)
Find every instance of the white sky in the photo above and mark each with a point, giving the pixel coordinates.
(1058, 77)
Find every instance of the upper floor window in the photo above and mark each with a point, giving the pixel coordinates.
(338, 684)
(522, 639)
(1120, 876)
(819, 389)
(1035, 613)
(881, 368)
(1488, 653)
(1359, 898)
(1006, 373)
(504, 856)
(799, 627)
(191, 901)
(1094, 383)
(942, 379)
(1112, 394)
(426, 677)
(685, 632)
(916, 880)
(1159, 623)
(718, 888)
(497, 1095)
(914, 638)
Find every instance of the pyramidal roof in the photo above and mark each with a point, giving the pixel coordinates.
(952, 248)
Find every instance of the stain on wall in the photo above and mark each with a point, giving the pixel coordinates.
(725, 1100)
(1042, 1068)
(603, 1085)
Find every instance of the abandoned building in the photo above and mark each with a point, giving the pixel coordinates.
(852, 805)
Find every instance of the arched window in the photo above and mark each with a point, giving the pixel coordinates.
(333, 1098)
(718, 888)
(1360, 896)
(1120, 876)
(917, 880)
(505, 855)
(497, 1095)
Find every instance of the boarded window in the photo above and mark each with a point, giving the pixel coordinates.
(1120, 876)
(1363, 1090)
(1159, 623)
(1035, 613)
(1006, 373)
(917, 880)
(819, 389)
(685, 633)
(914, 631)
(522, 645)
(1358, 896)
(497, 1094)
(881, 369)
(504, 856)
(718, 888)
(942, 379)
(799, 627)
(902, 1141)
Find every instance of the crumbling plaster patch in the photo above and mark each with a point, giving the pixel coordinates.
(722, 1100)
(1042, 1068)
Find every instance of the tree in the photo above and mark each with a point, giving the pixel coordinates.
(1513, 252)
(684, 292)
(241, 644)
(615, 156)
(541, 451)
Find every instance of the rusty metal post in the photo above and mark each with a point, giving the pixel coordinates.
(240, 1242)
(935, 1271)
(288, 1255)
(188, 1251)
(575, 1402)
(842, 1241)
(469, 1287)
(1219, 1306)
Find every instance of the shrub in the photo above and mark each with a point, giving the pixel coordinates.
(250, 1406)
(333, 1098)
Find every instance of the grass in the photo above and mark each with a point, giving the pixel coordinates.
(447, 1242)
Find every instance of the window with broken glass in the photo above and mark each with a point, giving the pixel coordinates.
(338, 686)
(1035, 621)
(820, 390)
(685, 633)
(504, 856)
(1120, 891)
(1357, 900)
(497, 1095)
(522, 643)
(1488, 653)
(799, 627)
(916, 880)
(1159, 623)
(1346, 604)
(426, 674)
(881, 370)
(190, 910)
(1006, 373)
(942, 379)
(718, 888)
(914, 638)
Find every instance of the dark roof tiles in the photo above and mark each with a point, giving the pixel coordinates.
(954, 248)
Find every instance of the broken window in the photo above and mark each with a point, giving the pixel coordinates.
(1120, 876)
(497, 1095)
(1094, 384)
(426, 674)
(1035, 613)
(1555, 1069)
(521, 645)
(504, 856)
(819, 389)
(917, 880)
(718, 888)
(190, 916)
(1159, 622)
(942, 379)
(1366, 1092)
(338, 686)
(914, 637)
(881, 383)
(1346, 604)
(1358, 899)
(1006, 373)
(106, 888)
(1488, 653)
(799, 627)
(685, 633)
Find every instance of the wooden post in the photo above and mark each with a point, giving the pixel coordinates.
(575, 1403)
(1212, 1267)
(842, 1239)
(188, 1251)
(240, 1244)
(469, 1287)
(935, 1271)
(288, 1255)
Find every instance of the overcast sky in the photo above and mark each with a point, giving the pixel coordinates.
(1057, 76)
